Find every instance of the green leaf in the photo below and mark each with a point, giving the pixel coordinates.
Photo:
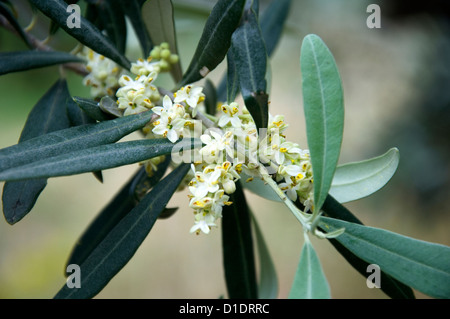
(210, 97)
(251, 63)
(92, 109)
(132, 9)
(258, 187)
(53, 26)
(272, 23)
(6, 12)
(114, 212)
(87, 34)
(159, 19)
(309, 281)
(95, 159)
(419, 264)
(76, 115)
(71, 139)
(27, 60)
(238, 257)
(215, 39)
(268, 281)
(113, 21)
(119, 246)
(392, 287)
(353, 181)
(109, 106)
(324, 112)
(48, 115)
(232, 78)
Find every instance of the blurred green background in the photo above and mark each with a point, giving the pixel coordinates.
(396, 88)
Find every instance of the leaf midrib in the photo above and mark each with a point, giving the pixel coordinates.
(355, 181)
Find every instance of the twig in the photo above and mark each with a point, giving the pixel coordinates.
(40, 46)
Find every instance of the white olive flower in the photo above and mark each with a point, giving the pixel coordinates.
(216, 144)
(203, 222)
(145, 67)
(103, 74)
(230, 115)
(205, 182)
(190, 94)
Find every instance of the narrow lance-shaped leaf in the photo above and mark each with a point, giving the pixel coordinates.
(419, 264)
(6, 12)
(159, 18)
(271, 22)
(238, 256)
(48, 115)
(76, 115)
(268, 281)
(119, 246)
(27, 60)
(260, 188)
(54, 26)
(353, 181)
(96, 158)
(391, 287)
(232, 83)
(210, 97)
(132, 9)
(113, 21)
(324, 112)
(250, 57)
(309, 281)
(92, 109)
(87, 33)
(113, 213)
(215, 39)
(71, 139)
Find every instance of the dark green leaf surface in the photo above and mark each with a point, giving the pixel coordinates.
(92, 109)
(268, 281)
(309, 281)
(419, 264)
(76, 115)
(250, 57)
(113, 21)
(272, 22)
(324, 112)
(87, 34)
(113, 213)
(210, 97)
(71, 139)
(159, 19)
(238, 256)
(48, 115)
(26, 60)
(215, 39)
(232, 83)
(6, 12)
(95, 159)
(392, 287)
(119, 246)
(132, 9)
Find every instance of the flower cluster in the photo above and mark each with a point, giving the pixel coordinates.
(208, 193)
(294, 164)
(233, 147)
(103, 74)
